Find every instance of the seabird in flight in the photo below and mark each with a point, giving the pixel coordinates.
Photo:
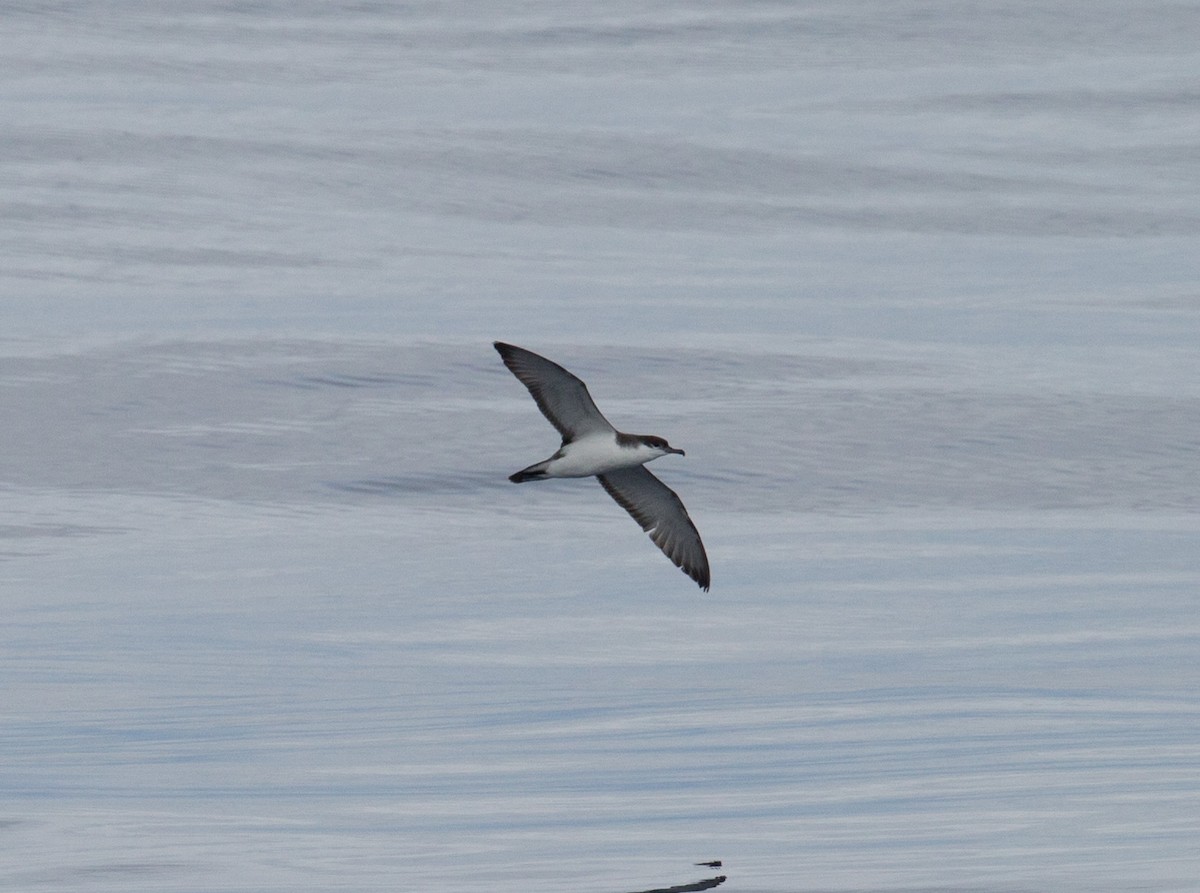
(591, 446)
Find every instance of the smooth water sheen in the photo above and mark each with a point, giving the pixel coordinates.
(914, 285)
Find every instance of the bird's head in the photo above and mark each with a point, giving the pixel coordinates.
(660, 445)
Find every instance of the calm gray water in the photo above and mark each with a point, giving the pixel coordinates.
(913, 284)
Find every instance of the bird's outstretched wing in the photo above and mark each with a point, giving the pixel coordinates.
(655, 506)
(562, 398)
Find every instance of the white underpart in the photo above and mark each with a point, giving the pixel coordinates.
(598, 454)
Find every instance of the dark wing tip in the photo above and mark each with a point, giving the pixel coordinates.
(696, 569)
(513, 359)
(699, 573)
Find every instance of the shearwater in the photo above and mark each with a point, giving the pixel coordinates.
(592, 446)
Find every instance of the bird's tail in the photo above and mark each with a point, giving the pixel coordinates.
(532, 473)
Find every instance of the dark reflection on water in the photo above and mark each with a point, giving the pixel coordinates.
(433, 482)
(348, 380)
(706, 884)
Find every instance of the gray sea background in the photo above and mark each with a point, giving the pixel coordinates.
(914, 284)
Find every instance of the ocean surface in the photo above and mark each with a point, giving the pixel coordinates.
(914, 284)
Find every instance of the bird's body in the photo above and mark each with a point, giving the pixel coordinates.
(593, 447)
(595, 454)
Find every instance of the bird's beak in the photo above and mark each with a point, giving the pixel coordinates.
(680, 452)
